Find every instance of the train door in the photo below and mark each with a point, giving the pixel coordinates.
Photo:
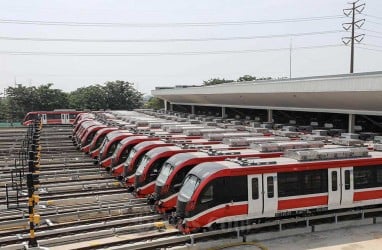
(270, 194)
(334, 188)
(44, 119)
(65, 118)
(255, 195)
(347, 186)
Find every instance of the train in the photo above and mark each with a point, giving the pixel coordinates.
(174, 170)
(51, 117)
(302, 181)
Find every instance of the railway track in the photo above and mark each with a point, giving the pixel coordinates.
(82, 207)
(76, 197)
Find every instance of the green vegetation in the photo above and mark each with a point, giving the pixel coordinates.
(112, 95)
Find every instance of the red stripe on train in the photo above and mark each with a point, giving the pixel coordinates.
(367, 195)
(219, 213)
(303, 202)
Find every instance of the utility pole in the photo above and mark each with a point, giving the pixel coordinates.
(355, 9)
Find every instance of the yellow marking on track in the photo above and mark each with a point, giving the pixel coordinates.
(94, 243)
(159, 225)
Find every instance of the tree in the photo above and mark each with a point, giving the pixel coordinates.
(215, 81)
(122, 95)
(22, 99)
(246, 78)
(112, 95)
(154, 103)
(92, 97)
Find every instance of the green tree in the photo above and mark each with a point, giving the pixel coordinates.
(246, 78)
(122, 95)
(112, 95)
(92, 97)
(154, 103)
(215, 81)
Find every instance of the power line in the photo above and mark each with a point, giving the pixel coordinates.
(368, 15)
(44, 53)
(372, 45)
(374, 22)
(378, 32)
(366, 48)
(374, 36)
(39, 39)
(183, 24)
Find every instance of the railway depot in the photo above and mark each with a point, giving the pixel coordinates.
(148, 179)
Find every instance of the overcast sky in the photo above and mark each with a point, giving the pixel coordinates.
(70, 71)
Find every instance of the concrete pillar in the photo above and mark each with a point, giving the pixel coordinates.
(223, 112)
(165, 105)
(270, 115)
(351, 123)
(171, 107)
(193, 109)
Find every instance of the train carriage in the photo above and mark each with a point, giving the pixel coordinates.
(51, 117)
(174, 170)
(303, 180)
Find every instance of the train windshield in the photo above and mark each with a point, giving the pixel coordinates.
(131, 155)
(116, 150)
(142, 165)
(164, 173)
(190, 184)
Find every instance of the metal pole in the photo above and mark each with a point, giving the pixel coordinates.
(352, 41)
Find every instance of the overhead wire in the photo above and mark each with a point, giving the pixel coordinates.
(368, 15)
(378, 32)
(174, 24)
(45, 53)
(366, 48)
(167, 39)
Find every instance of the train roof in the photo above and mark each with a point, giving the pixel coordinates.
(132, 138)
(144, 144)
(160, 150)
(116, 133)
(103, 130)
(292, 157)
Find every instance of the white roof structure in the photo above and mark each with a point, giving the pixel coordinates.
(358, 93)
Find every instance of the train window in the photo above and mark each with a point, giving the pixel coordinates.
(367, 177)
(255, 188)
(207, 194)
(302, 183)
(347, 179)
(54, 116)
(379, 175)
(72, 116)
(334, 181)
(362, 178)
(270, 187)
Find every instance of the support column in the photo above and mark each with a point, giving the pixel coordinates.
(223, 112)
(270, 115)
(171, 107)
(351, 123)
(165, 105)
(193, 109)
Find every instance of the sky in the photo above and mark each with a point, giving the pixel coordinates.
(219, 25)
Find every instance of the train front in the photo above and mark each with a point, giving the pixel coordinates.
(202, 189)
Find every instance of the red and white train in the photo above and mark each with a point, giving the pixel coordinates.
(303, 180)
(51, 117)
(174, 170)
